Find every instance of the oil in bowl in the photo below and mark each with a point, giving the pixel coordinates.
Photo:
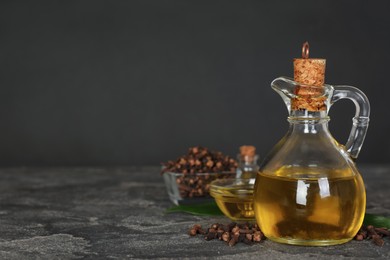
(234, 198)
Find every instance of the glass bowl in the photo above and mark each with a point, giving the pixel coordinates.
(192, 188)
(234, 198)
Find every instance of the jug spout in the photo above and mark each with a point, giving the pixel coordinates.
(285, 87)
(300, 97)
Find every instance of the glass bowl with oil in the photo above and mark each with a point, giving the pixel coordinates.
(234, 198)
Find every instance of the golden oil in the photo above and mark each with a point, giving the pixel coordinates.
(249, 174)
(234, 198)
(310, 207)
(236, 208)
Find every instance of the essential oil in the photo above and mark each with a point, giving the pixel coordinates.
(295, 209)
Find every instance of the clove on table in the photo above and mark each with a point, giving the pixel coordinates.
(231, 234)
(372, 233)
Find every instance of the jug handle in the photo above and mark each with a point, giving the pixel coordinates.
(360, 120)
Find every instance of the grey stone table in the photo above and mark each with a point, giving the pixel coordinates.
(59, 213)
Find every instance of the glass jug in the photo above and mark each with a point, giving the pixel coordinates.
(308, 190)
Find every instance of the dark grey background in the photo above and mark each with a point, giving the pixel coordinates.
(138, 82)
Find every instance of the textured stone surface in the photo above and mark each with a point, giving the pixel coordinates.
(113, 213)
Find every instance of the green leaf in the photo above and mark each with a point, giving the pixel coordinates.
(376, 221)
(204, 209)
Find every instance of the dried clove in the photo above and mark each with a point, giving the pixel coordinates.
(377, 239)
(219, 233)
(249, 236)
(226, 236)
(196, 229)
(257, 236)
(235, 229)
(359, 237)
(233, 241)
(383, 231)
(215, 226)
(192, 232)
(373, 233)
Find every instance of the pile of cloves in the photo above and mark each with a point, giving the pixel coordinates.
(199, 160)
(247, 233)
(232, 233)
(373, 233)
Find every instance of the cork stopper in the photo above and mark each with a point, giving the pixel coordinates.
(247, 153)
(311, 74)
(247, 150)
